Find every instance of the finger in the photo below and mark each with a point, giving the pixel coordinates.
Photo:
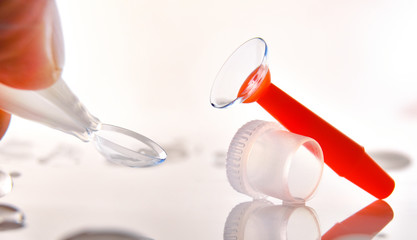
(29, 36)
(4, 123)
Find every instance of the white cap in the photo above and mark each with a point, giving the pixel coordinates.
(264, 160)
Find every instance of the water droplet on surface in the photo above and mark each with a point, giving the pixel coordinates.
(220, 159)
(105, 235)
(16, 150)
(391, 160)
(381, 236)
(15, 174)
(177, 151)
(10, 218)
(62, 154)
(6, 184)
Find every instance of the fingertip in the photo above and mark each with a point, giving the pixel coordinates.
(4, 123)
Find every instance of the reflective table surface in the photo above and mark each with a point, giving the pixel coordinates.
(65, 190)
(149, 66)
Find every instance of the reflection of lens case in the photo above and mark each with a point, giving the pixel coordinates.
(264, 159)
(261, 219)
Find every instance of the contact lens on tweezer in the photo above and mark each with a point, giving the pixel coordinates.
(59, 108)
(31, 87)
(245, 77)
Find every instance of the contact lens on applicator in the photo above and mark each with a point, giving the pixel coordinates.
(245, 78)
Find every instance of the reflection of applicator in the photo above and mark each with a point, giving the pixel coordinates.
(367, 222)
(343, 155)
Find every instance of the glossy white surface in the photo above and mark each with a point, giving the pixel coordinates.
(149, 65)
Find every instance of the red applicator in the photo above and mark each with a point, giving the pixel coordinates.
(347, 158)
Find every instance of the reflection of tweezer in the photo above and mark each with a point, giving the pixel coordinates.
(367, 222)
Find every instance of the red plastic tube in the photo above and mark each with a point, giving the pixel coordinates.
(342, 154)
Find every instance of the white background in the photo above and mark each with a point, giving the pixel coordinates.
(149, 65)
